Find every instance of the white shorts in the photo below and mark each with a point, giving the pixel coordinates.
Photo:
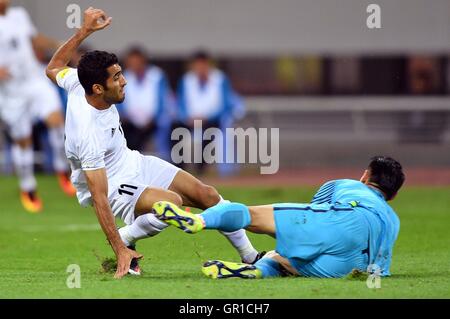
(154, 172)
(36, 101)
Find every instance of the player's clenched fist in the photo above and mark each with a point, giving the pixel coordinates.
(95, 19)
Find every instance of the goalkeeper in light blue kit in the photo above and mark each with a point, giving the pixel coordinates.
(348, 225)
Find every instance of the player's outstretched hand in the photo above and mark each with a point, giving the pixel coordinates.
(124, 260)
(95, 19)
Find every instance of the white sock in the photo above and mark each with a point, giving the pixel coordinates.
(144, 226)
(240, 241)
(56, 139)
(23, 159)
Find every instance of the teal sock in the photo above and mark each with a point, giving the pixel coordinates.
(269, 267)
(226, 217)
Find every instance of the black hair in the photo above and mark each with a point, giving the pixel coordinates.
(92, 69)
(83, 48)
(386, 174)
(137, 50)
(200, 54)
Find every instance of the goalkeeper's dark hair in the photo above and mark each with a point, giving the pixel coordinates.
(386, 174)
(92, 69)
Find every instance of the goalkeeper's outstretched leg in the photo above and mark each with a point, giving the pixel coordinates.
(271, 265)
(226, 217)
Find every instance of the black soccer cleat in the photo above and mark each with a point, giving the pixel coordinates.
(258, 257)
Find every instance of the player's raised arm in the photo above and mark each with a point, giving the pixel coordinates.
(94, 20)
(98, 187)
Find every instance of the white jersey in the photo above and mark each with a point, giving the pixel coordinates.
(94, 140)
(16, 49)
(143, 96)
(204, 101)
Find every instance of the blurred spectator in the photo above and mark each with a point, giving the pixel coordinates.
(237, 112)
(424, 78)
(147, 106)
(345, 75)
(205, 94)
(423, 75)
(287, 73)
(297, 75)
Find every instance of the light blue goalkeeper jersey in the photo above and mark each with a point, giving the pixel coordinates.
(384, 222)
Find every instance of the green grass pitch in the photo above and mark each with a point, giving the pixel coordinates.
(35, 251)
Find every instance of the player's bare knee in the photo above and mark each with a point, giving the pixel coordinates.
(174, 198)
(261, 220)
(254, 220)
(151, 195)
(208, 195)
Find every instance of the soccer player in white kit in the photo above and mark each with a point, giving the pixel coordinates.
(115, 180)
(26, 94)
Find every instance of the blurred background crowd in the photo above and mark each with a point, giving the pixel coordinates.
(338, 91)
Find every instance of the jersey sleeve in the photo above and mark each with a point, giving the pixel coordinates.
(68, 79)
(325, 193)
(91, 151)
